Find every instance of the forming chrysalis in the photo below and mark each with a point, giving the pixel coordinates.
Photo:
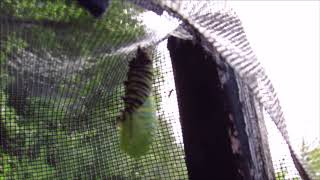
(137, 122)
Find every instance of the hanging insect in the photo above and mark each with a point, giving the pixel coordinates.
(137, 122)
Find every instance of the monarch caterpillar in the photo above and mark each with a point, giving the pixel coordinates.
(139, 81)
(137, 122)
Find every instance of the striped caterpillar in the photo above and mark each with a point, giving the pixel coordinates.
(137, 122)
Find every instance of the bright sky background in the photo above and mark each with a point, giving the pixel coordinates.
(285, 37)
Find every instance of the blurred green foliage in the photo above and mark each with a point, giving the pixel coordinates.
(312, 157)
(283, 175)
(61, 137)
(46, 23)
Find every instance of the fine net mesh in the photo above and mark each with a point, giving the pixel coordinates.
(62, 74)
(61, 91)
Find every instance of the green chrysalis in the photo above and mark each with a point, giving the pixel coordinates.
(137, 129)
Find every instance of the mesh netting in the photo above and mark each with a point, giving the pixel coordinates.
(61, 92)
(62, 75)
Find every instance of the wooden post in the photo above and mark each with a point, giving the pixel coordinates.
(218, 144)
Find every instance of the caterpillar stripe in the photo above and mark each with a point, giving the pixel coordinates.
(138, 122)
(138, 85)
(139, 81)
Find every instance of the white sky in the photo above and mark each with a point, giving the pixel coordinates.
(285, 38)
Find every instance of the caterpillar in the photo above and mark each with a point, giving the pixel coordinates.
(139, 81)
(137, 122)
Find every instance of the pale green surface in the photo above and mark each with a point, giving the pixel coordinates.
(138, 130)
